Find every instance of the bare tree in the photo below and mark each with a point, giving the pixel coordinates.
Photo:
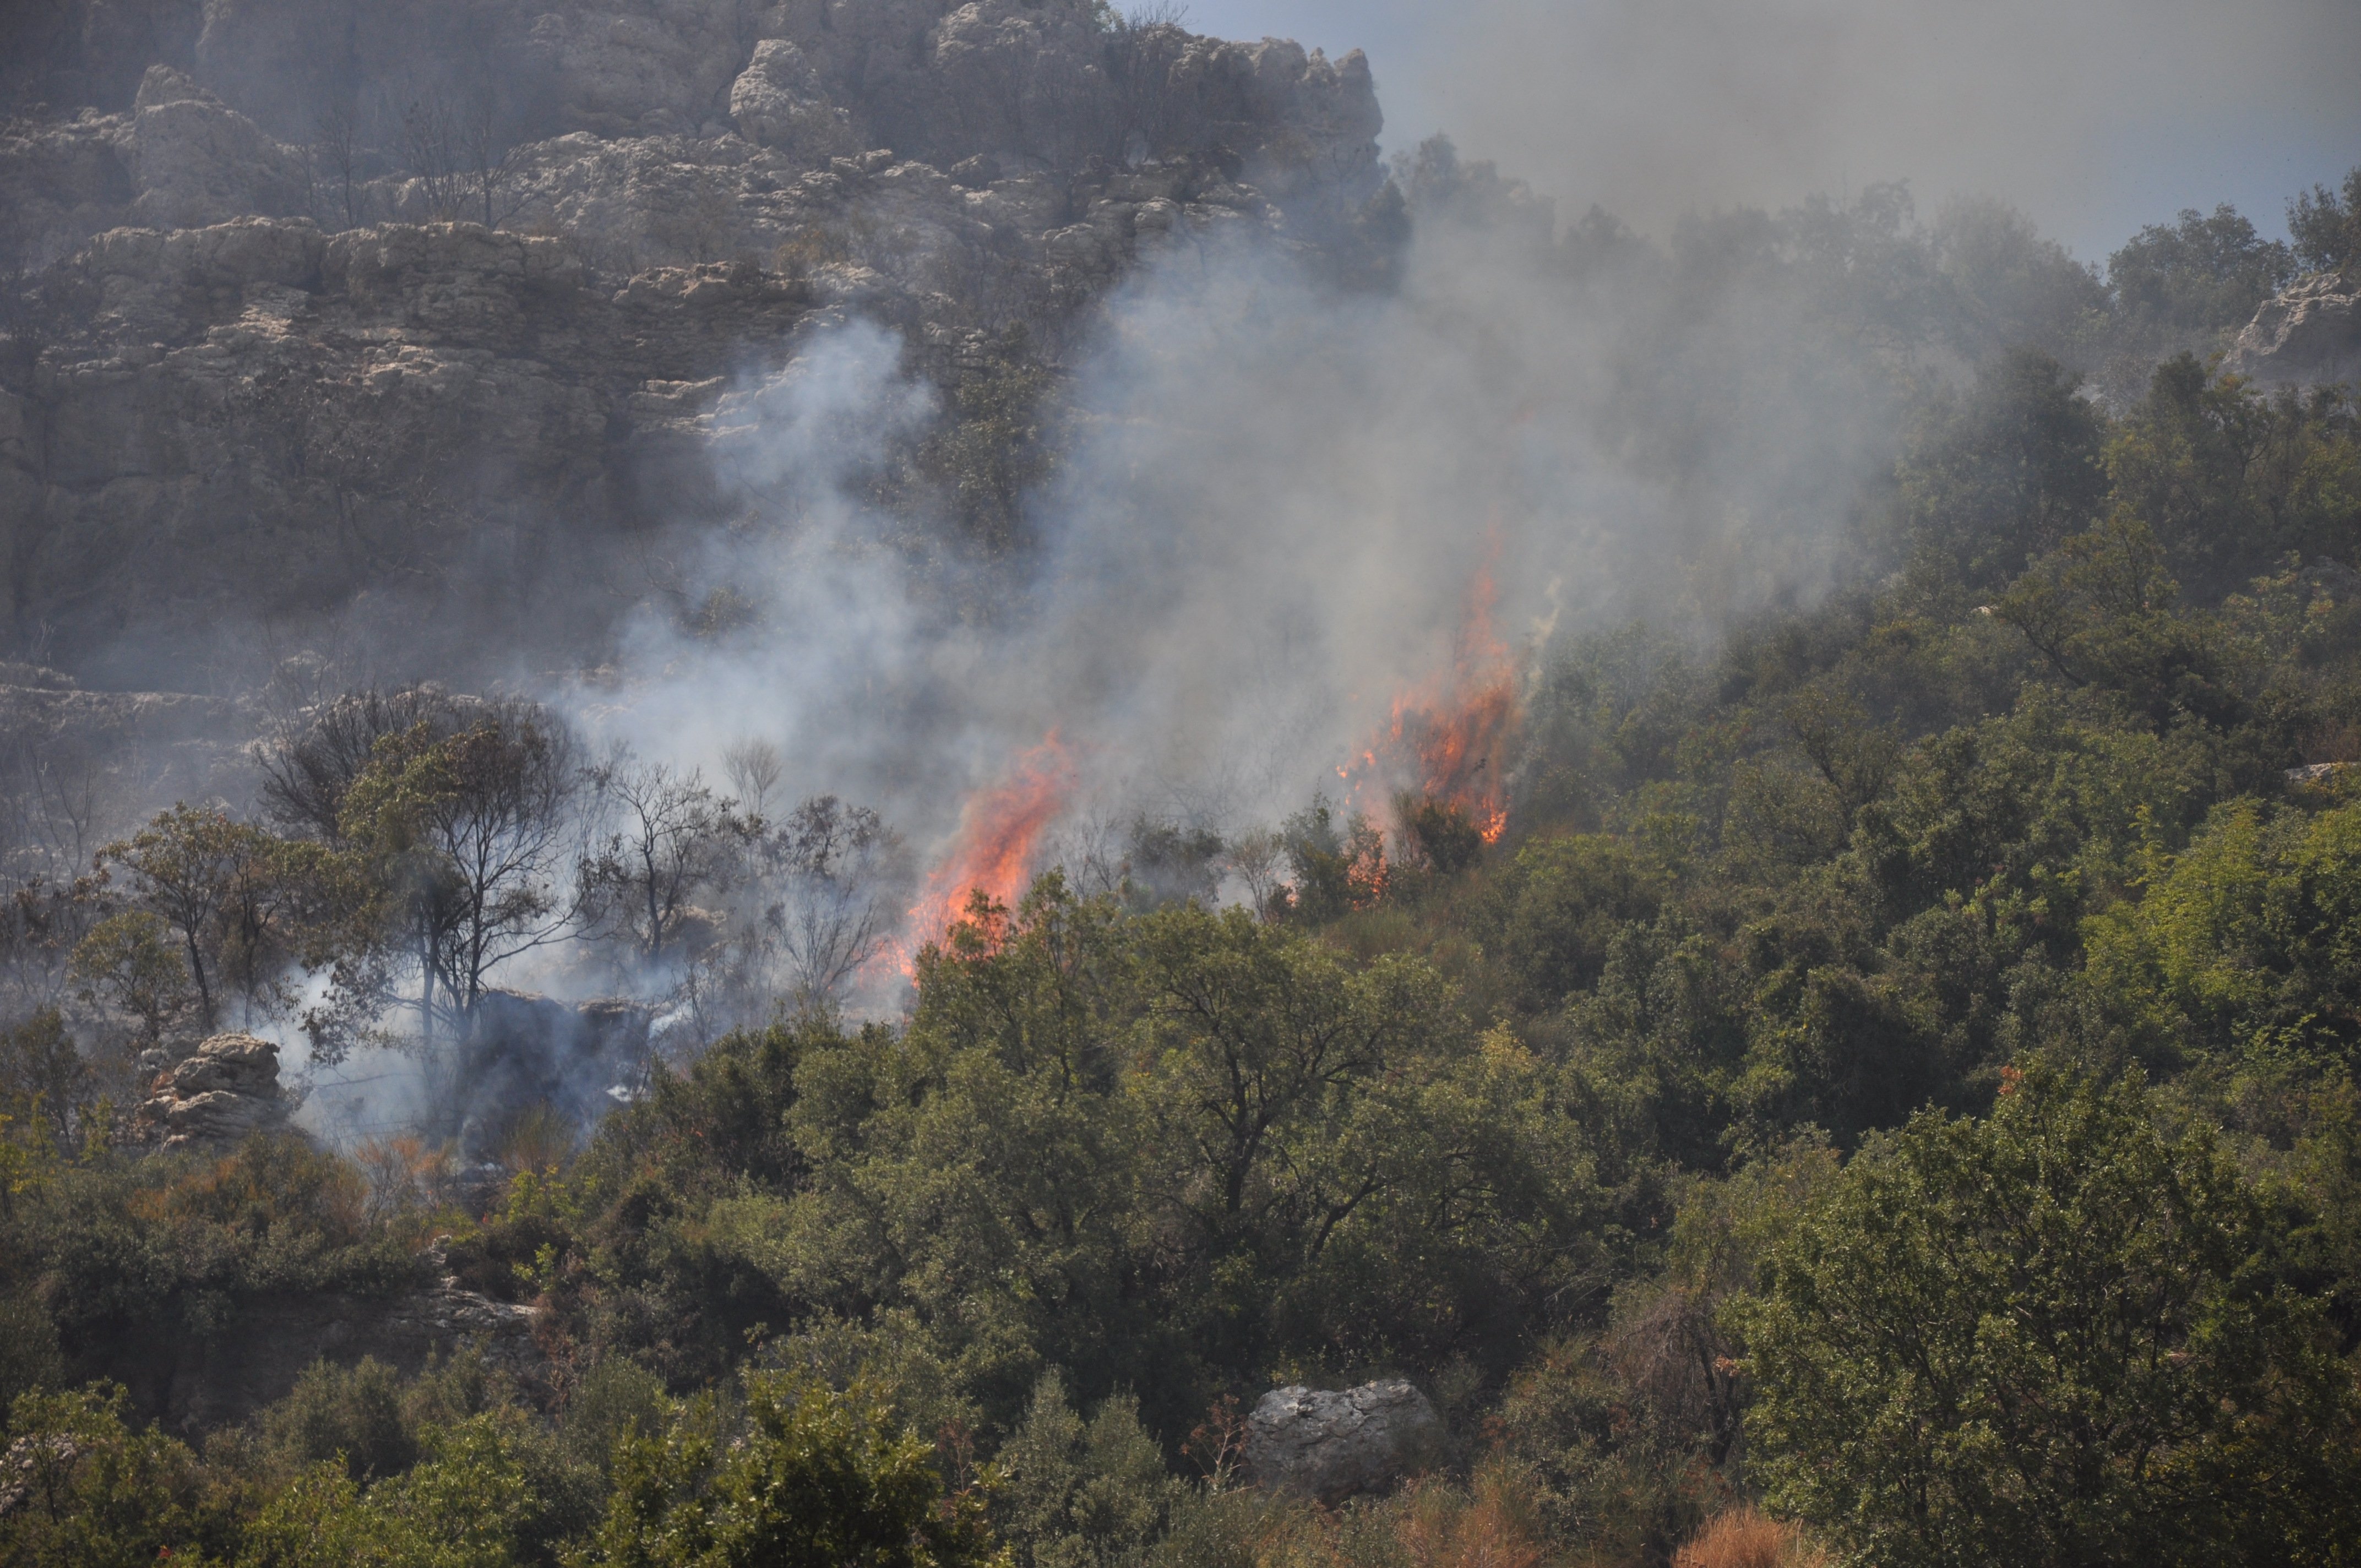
(833, 868)
(666, 838)
(1259, 859)
(754, 768)
(433, 146)
(489, 161)
(336, 149)
(815, 904)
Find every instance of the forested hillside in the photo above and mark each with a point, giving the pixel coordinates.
(1817, 1021)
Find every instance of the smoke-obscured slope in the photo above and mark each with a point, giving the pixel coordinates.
(1285, 506)
(1116, 447)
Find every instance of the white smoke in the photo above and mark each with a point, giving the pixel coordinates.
(1282, 503)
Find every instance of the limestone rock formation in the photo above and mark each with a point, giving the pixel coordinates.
(1331, 1445)
(230, 1088)
(303, 309)
(2308, 335)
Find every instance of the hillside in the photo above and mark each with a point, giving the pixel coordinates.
(921, 785)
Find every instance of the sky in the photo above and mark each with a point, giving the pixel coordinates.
(2094, 117)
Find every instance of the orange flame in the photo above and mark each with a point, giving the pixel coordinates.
(999, 832)
(1448, 737)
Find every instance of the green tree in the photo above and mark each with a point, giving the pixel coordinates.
(2204, 273)
(2326, 225)
(1082, 1493)
(2053, 1335)
(86, 1489)
(237, 900)
(813, 1479)
(1554, 910)
(2007, 474)
(129, 961)
(464, 834)
(2245, 948)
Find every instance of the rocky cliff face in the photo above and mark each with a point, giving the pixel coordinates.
(420, 310)
(2308, 335)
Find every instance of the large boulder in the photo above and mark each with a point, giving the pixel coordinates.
(1331, 1445)
(196, 160)
(228, 1088)
(2309, 334)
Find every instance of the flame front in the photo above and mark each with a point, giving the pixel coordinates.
(999, 834)
(1448, 739)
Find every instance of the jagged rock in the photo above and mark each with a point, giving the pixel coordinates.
(1331, 1445)
(2308, 335)
(195, 160)
(778, 102)
(228, 1088)
(208, 372)
(976, 173)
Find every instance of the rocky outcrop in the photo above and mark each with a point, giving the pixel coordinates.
(1331, 1445)
(321, 308)
(203, 1383)
(2308, 335)
(228, 1088)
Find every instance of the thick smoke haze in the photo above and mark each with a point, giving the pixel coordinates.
(2094, 117)
(1370, 453)
(1287, 506)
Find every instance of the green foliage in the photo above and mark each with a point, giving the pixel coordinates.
(814, 1477)
(2243, 948)
(1557, 907)
(86, 1489)
(488, 1493)
(130, 1261)
(2205, 272)
(1516, 1121)
(1079, 1494)
(240, 904)
(129, 962)
(1000, 443)
(1339, 865)
(2325, 226)
(2003, 477)
(352, 1415)
(2052, 1335)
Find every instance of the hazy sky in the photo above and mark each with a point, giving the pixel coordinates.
(2093, 116)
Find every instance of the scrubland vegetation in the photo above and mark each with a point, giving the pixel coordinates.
(1888, 1096)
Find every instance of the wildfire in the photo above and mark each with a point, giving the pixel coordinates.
(1000, 830)
(1447, 740)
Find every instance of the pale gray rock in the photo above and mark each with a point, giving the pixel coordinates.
(778, 102)
(1331, 1445)
(2309, 334)
(195, 160)
(647, 66)
(244, 387)
(227, 1088)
